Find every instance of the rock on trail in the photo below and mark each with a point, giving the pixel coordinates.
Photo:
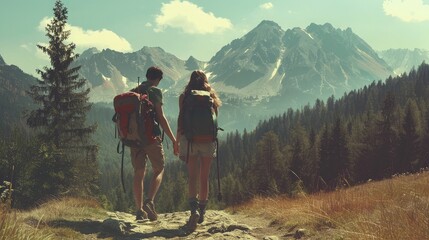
(217, 225)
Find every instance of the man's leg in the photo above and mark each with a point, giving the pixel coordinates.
(138, 187)
(156, 156)
(155, 183)
(138, 160)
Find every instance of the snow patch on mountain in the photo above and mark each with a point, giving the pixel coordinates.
(308, 34)
(106, 79)
(125, 81)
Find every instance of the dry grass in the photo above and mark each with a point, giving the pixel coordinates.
(45, 221)
(392, 209)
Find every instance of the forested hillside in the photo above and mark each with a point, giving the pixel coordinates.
(370, 133)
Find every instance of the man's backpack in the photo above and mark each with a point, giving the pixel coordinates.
(135, 121)
(199, 117)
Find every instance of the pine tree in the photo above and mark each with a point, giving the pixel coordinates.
(61, 118)
(340, 151)
(409, 140)
(325, 153)
(268, 173)
(386, 138)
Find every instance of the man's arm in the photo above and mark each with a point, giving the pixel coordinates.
(164, 124)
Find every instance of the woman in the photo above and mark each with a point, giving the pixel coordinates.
(196, 153)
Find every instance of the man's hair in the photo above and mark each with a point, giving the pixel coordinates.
(154, 73)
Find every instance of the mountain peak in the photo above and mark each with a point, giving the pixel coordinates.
(2, 61)
(192, 63)
(89, 52)
(265, 30)
(147, 49)
(327, 27)
(267, 24)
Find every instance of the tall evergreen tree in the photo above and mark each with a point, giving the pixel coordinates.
(409, 140)
(325, 153)
(340, 151)
(268, 172)
(61, 118)
(386, 138)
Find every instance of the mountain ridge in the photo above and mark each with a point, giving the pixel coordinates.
(317, 61)
(403, 60)
(2, 62)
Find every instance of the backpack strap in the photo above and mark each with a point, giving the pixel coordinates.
(189, 147)
(146, 90)
(122, 162)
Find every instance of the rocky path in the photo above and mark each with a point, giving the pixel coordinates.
(218, 225)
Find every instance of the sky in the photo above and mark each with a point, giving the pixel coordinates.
(200, 28)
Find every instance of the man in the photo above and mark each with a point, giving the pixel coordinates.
(153, 151)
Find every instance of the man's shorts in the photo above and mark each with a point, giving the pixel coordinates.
(196, 149)
(154, 152)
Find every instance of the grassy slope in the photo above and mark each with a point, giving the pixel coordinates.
(67, 218)
(392, 209)
(397, 208)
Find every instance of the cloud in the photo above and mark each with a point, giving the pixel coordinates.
(266, 6)
(26, 46)
(100, 39)
(408, 11)
(190, 18)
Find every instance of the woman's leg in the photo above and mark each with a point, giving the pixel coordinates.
(193, 176)
(192, 188)
(205, 165)
(204, 186)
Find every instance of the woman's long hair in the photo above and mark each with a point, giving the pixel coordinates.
(199, 81)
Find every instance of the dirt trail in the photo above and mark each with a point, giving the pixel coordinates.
(218, 225)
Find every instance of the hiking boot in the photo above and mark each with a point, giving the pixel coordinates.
(149, 207)
(141, 215)
(191, 225)
(201, 211)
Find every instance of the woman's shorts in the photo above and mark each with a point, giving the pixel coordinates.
(196, 149)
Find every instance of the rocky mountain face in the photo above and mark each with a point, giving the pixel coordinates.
(403, 60)
(13, 98)
(2, 61)
(249, 66)
(109, 72)
(297, 64)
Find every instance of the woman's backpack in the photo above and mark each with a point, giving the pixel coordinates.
(200, 123)
(199, 117)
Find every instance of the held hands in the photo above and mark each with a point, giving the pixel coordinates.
(176, 147)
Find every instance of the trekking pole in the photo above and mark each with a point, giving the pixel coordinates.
(219, 194)
(122, 163)
(138, 81)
